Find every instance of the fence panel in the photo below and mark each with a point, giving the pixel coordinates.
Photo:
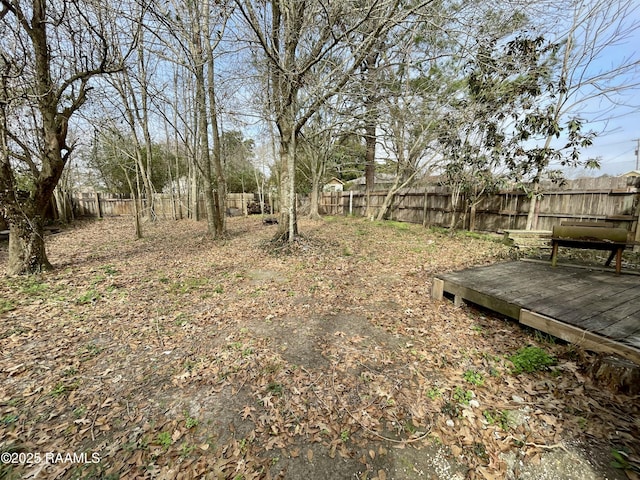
(613, 199)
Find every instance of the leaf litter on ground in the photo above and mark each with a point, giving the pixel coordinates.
(176, 356)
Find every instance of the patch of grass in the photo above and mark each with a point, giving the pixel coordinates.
(399, 226)
(181, 320)
(32, 286)
(544, 337)
(531, 359)
(620, 459)
(439, 230)
(409, 427)
(90, 296)
(247, 351)
(62, 388)
(346, 251)
(69, 372)
(473, 377)
(189, 285)
(186, 449)
(498, 417)
(164, 440)
(6, 306)
(7, 472)
(9, 419)
(478, 236)
(79, 412)
(109, 270)
(434, 393)
(344, 436)
(90, 351)
(275, 388)
(58, 390)
(272, 368)
(17, 330)
(191, 422)
(462, 396)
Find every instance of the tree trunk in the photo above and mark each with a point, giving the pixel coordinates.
(370, 166)
(27, 252)
(204, 161)
(210, 208)
(370, 78)
(455, 198)
(472, 217)
(314, 209)
(288, 223)
(136, 205)
(388, 200)
(220, 193)
(531, 214)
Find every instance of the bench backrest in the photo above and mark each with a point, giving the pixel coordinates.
(590, 233)
(581, 223)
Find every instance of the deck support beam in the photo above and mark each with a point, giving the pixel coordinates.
(582, 338)
(589, 308)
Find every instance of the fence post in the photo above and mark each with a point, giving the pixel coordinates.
(424, 208)
(98, 206)
(350, 202)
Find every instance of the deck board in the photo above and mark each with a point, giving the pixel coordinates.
(604, 305)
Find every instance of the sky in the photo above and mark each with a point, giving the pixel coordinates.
(616, 146)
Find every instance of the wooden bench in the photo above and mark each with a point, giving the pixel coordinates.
(590, 235)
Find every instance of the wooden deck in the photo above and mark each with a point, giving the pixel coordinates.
(595, 309)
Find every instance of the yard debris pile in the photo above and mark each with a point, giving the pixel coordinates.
(179, 357)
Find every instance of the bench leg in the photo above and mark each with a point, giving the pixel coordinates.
(613, 254)
(618, 254)
(554, 254)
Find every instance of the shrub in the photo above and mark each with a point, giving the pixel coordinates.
(531, 359)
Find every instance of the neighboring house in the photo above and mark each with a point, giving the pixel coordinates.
(632, 173)
(382, 181)
(333, 185)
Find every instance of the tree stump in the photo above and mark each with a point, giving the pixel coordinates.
(616, 373)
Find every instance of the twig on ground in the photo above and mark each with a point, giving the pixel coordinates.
(548, 447)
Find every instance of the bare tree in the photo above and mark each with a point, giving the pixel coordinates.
(311, 50)
(49, 53)
(316, 148)
(587, 70)
(193, 32)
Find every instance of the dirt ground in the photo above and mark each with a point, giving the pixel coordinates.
(176, 356)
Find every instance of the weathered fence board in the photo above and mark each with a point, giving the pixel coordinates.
(612, 199)
(97, 205)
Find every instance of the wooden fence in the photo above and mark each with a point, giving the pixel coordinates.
(612, 199)
(99, 205)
